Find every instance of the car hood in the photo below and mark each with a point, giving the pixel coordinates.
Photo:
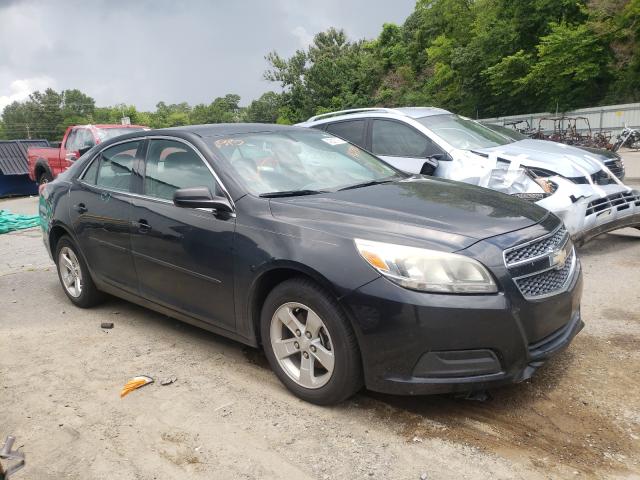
(433, 213)
(562, 159)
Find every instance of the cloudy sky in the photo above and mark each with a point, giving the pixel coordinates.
(143, 51)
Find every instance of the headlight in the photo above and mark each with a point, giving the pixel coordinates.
(427, 270)
(541, 177)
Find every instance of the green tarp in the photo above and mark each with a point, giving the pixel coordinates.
(12, 221)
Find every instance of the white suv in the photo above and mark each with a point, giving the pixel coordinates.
(572, 183)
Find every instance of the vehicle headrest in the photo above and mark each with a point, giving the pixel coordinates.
(184, 158)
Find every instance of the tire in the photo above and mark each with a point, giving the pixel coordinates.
(334, 343)
(87, 295)
(44, 177)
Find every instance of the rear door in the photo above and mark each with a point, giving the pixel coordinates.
(401, 145)
(101, 208)
(183, 255)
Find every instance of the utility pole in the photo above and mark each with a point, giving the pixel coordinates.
(28, 132)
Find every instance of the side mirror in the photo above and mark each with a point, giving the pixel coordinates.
(72, 156)
(200, 197)
(430, 165)
(84, 150)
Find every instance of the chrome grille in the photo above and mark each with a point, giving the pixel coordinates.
(544, 266)
(547, 282)
(536, 248)
(620, 201)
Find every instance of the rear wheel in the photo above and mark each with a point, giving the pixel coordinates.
(74, 275)
(44, 177)
(310, 344)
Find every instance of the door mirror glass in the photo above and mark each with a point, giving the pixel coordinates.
(200, 197)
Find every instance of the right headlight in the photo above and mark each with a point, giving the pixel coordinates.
(427, 270)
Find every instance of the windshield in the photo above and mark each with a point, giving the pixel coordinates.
(462, 133)
(506, 131)
(299, 161)
(107, 133)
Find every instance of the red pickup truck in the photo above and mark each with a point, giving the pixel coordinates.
(46, 163)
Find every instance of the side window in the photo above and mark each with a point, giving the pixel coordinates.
(116, 166)
(91, 172)
(398, 140)
(352, 131)
(172, 165)
(72, 141)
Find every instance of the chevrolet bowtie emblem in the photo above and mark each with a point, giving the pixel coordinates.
(559, 258)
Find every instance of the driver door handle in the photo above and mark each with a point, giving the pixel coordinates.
(143, 226)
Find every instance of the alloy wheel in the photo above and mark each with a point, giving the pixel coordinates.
(302, 345)
(70, 272)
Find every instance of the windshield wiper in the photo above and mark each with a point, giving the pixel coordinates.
(369, 183)
(291, 193)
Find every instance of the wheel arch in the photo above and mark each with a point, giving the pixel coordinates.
(41, 166)
(56, 232)
(275, 274)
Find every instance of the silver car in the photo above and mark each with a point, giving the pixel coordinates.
(572, 183)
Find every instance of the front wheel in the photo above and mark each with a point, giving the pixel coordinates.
(310, 344)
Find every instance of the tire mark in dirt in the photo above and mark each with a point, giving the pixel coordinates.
(547, 420)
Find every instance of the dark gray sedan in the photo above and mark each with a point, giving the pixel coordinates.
(345, 270)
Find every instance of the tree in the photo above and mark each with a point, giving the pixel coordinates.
(265, 109)
(333, 73)
(571, 66)
(222, 110)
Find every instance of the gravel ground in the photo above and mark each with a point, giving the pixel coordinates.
(227, 416)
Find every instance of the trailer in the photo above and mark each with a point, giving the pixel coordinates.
(14, 167)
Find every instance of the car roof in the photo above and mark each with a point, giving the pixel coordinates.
(115, 125)
(409, 112)
(219, 129)
(204, 131)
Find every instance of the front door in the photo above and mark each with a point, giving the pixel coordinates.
(402, 146)
(182, 255)
(100, 208)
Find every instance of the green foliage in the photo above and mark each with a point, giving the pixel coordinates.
(265, 109)
(476, 57)
(571, 66)
(333, 73)
(47, 114)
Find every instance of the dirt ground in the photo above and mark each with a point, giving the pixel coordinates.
(227, 416)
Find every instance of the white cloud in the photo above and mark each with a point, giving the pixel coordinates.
(20, 89)
(304, 37)
(140, 52)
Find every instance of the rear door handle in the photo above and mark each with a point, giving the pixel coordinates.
(80, 208)
(143, 226)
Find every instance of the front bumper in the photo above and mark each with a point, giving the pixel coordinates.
(421, 343)
(588, 211)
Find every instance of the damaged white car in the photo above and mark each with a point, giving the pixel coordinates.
(572, 183)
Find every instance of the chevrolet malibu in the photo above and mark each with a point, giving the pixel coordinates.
(345, 270)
